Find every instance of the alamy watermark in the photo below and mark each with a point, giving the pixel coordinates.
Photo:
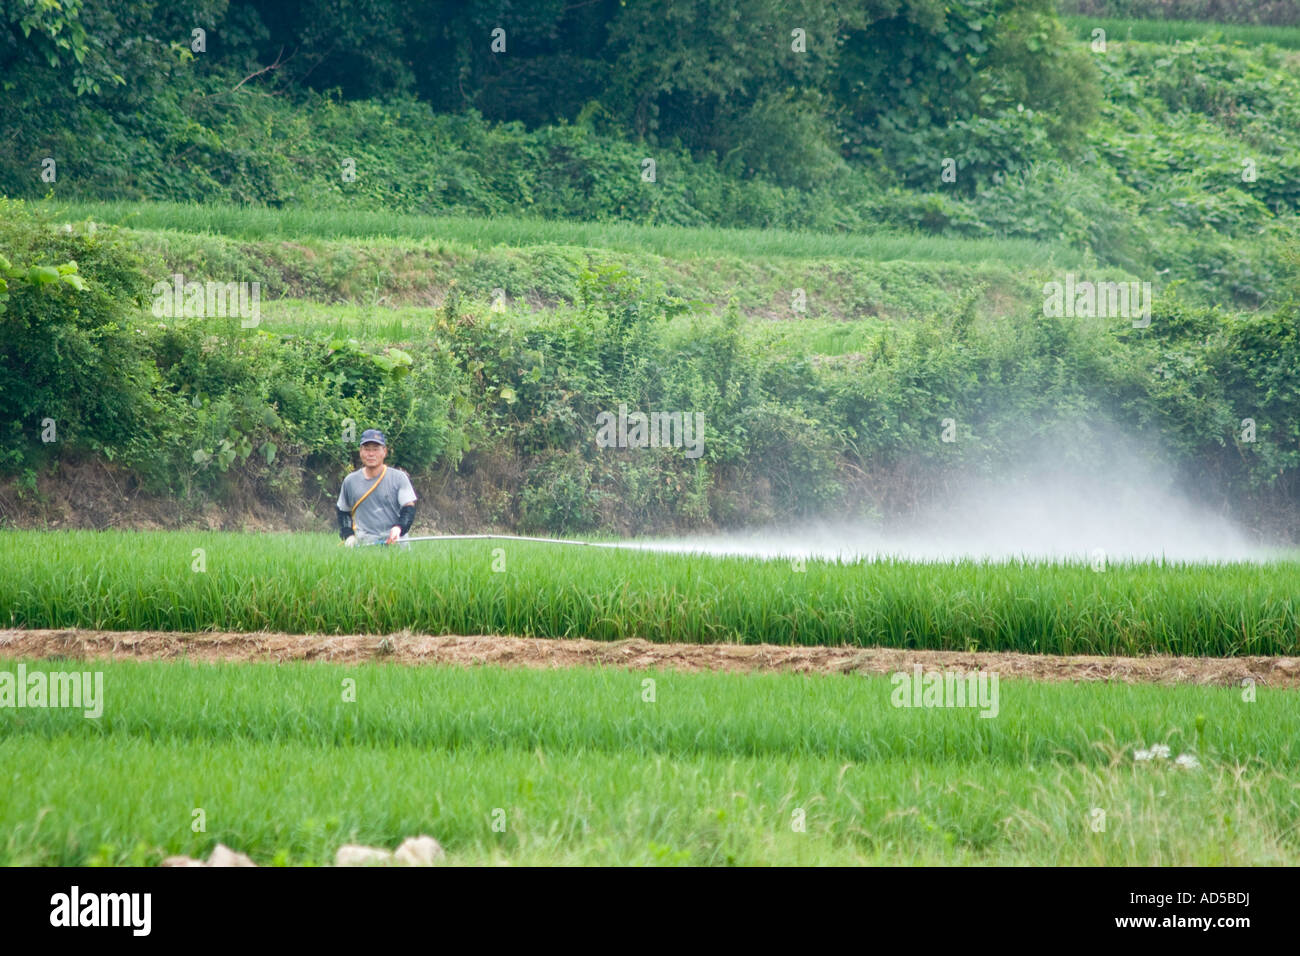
(656, 430)
(75, 908)
(77, 689)
(946, 689)
(1071, 299)
(180, 299)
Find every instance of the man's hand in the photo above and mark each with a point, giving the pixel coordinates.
(394, 534)
(351, 542)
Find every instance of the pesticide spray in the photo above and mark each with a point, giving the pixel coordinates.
(1072, 497)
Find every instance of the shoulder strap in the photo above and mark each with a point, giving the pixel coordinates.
(383, 471)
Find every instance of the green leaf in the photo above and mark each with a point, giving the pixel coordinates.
(42, 275)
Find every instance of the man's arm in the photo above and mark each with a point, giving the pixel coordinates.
(345, 515)
(406, 517)
(406, 510)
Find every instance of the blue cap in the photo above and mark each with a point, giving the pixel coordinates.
(373, 434)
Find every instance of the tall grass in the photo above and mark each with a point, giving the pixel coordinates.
(675, 242)
(308, 584)
(364, 323)
(1172, 31)
(580, 767)
(415, 324)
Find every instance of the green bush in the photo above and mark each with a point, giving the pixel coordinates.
(69, 354)
(558, 497)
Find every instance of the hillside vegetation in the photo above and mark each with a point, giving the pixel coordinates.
(1169, 161)
(476, 255)
(799, 418)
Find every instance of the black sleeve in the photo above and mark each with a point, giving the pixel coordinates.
(406, 517)
(345, 524)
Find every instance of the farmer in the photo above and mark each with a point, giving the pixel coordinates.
(377, 503)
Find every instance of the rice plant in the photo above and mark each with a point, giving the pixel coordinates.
(1172, 31)
(576, 766)
(306, 583)
(249, 222)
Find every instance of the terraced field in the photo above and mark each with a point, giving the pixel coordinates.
(620, 750)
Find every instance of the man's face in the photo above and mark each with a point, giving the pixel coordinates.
(373, 454)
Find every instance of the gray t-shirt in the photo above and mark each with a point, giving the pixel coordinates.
(379, 512)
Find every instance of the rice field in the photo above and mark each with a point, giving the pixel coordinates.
(674, 242)
(308, 583)
(608, 765)
(599, 766)
(1173, 31)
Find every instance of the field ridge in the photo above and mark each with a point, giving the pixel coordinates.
(406, 647)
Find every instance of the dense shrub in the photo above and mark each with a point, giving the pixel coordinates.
(73, 372)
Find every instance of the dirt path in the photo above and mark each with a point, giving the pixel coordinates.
(408, 648)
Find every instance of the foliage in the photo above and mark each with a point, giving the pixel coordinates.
(697, 86)
(985, 83)
(852, 134)
(72, 370)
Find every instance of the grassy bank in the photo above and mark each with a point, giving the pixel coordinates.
(384, 260)
(408, 325)
(379, 274)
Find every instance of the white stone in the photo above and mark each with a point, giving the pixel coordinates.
(420, 851)
(353, 855)
(225, 856)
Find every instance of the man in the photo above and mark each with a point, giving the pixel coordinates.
(377, 503)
